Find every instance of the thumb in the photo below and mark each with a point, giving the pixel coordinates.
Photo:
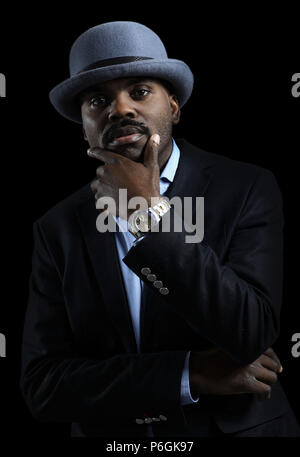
(151, 151)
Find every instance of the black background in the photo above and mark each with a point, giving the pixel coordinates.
(241, 107)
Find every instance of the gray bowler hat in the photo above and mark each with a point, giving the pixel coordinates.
(118, 50)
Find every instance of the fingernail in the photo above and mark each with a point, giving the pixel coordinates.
(280, 369)
(156, 138)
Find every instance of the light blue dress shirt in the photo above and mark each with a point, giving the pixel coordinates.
(134, 286)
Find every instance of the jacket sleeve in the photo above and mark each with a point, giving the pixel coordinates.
(234, 303)
(60, 383)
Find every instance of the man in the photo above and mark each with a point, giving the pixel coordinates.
(145, 332)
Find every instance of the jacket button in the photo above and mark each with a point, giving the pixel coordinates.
(139, 421)
(162, 418)
(164, 290)
(151, 278)
(158, 284)
(145, 271)
(148, 420)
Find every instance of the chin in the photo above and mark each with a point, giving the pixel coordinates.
(133, 151)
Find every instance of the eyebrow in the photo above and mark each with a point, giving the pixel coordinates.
(103, 90)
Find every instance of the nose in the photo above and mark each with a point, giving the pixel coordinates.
(121, 106)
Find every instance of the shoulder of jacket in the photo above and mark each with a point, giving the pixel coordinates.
(65, 209)
(222, 165)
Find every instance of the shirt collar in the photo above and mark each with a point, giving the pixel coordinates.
(169, 171)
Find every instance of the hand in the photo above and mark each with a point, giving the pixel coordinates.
(119, 172)
(214, 372)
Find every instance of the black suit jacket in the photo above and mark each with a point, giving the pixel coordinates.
(80, 362)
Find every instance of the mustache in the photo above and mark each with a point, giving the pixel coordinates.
(110, 134)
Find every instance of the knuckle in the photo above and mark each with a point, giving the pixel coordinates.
(266, 389)
(93, 186)
(100, 171)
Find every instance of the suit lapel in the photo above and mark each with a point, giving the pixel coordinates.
(103, 254)
(193, 173)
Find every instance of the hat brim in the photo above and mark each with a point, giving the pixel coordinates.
(64, 96)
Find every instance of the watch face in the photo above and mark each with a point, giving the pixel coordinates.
(142, 221)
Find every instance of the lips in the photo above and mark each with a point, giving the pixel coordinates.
(133, 138)
(125, 135)
(125, 131)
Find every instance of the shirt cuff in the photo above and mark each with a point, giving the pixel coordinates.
(186, 397)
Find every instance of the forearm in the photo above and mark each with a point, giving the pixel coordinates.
(83, 390)
(64, 378)
(215, 302)
(234, 300)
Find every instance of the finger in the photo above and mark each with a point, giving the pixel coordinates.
(270, 353)
(97, 188)
(269, 363)
(151, 151)
(263, 374)
(263, 397)
(94, 186)
(100, 171)
(261, 390)
(107, 157)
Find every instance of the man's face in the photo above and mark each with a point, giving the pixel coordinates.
(121, 115)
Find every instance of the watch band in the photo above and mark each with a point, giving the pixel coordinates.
(162, 207)
(156, 212)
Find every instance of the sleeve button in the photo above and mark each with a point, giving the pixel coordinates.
(164, 290)
(139, 421)
(151, 277)
(145, 271)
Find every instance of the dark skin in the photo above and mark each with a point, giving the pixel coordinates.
(147, 107)
(134, 166)
(214, 372)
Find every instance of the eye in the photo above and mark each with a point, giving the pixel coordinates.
(140, 93)
(97, 101)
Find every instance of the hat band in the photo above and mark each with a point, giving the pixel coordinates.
(113, 61)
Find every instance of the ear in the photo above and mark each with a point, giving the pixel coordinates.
(175, 109)
(84, 134)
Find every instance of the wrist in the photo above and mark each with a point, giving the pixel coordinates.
(154, 199)
(192, 375)
(193, 385)
(197, 378)
(141, 221)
